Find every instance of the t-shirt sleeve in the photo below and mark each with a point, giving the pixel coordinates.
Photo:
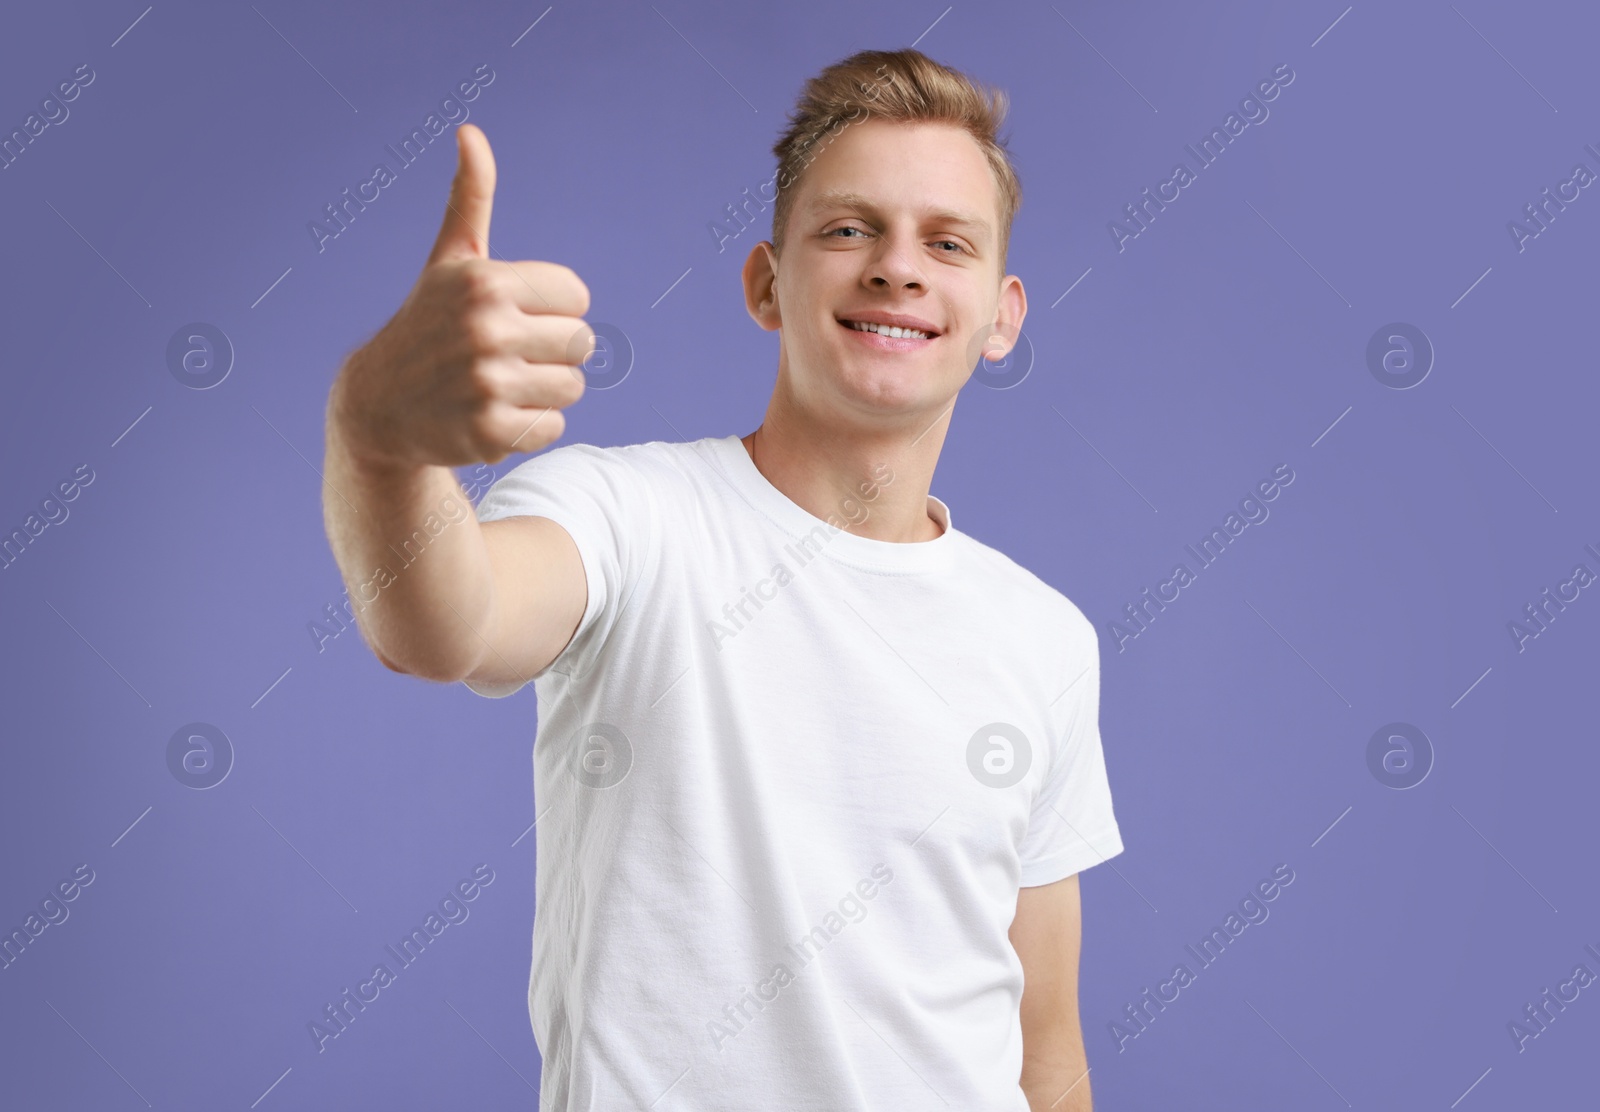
(599, 496)
(1072, 825)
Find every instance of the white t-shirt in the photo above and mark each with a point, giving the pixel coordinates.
(787, 782)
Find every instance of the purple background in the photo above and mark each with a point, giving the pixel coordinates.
(1228, 338)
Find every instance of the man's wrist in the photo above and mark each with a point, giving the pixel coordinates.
(347, 435)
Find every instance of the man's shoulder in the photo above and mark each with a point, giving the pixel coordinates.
(619, 480)
(1034, 601)
(638, 450)
(645, 458)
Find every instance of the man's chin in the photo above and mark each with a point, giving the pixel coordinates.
(894, 388)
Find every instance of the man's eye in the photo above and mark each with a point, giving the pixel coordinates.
(953, 243)
(846, 228)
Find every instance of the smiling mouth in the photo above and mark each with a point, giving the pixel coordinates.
(888, 331)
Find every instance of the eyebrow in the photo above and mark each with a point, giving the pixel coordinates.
(844, 198)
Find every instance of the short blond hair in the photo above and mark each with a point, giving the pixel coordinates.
(902, 86)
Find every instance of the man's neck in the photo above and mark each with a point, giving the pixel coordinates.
(873, 488)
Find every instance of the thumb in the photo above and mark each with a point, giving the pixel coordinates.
(465, 230)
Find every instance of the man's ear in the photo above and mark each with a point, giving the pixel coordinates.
(760, 277)
(1012, 308)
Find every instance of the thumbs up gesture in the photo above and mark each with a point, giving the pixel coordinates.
(483, 354)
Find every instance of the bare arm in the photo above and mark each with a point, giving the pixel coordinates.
(475, 365)
(1046, 934)
(462, 604)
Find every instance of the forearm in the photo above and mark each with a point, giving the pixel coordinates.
(1060, 1084)
(412, 554)
(1063, 1092)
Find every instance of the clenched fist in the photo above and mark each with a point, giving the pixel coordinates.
(483, 355)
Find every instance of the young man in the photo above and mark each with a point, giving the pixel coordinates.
(814, 772)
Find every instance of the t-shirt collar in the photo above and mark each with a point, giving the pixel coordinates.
(729, 456)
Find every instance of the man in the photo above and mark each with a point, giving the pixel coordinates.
(814, 773)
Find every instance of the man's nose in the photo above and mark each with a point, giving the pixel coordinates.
(894, 265)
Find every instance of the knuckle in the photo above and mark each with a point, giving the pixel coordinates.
(486, 380)
(480, 285)
(483, 333)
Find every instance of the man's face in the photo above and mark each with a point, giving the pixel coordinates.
(890, 219)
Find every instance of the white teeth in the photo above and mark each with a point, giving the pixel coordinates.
(888, 330)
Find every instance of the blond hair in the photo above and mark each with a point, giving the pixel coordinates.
(902, 86)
